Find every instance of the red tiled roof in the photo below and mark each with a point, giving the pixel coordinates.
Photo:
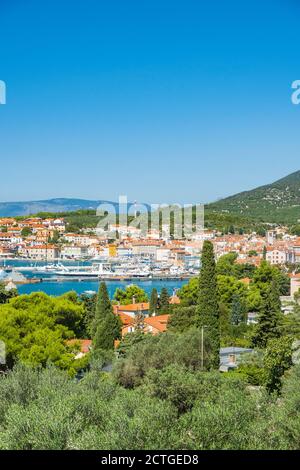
(158, 322)
(131, 307)
(125, 319)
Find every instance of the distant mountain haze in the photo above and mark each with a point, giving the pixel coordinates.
(275, 202)
(13, 209)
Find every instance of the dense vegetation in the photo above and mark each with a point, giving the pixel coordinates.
(278, 202)
(85, 219)
(36, 327)
(172, 408)
(75, 220)
(154, 392)
(235, 300)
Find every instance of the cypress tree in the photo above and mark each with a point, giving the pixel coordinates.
(153, 301)
(265, 252)
(164, 297)
(269, 317)
(237, 310)
(208, 308)
(106, 326)
(103, 306)
(107, 331)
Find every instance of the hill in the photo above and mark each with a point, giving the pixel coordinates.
(278, 202)
(275, 202)
(12, 209)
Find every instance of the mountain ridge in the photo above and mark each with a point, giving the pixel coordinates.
(275, 202)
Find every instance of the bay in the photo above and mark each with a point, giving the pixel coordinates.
(53, 287)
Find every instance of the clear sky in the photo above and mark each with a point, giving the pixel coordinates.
(162, 100)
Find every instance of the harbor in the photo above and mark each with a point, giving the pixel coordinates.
(82, 277)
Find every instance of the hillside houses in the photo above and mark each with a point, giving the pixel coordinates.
(30, 238)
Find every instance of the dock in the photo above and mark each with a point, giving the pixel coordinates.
(114, 278)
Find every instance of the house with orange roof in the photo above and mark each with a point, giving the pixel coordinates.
(7, 222)
(255, 260)
(157, 324)
(132, 309)
(152, 325)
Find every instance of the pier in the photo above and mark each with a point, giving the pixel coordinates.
(110, 278)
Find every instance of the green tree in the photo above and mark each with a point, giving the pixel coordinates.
(265, 252)
(174, 384)
(35, 329)
(89, 302)
(128, 341)
(252, 253)
(228, 287)
(164, 305)
(107, 331)
(158, 351)
(107, 326)
(103, 305)
(5, 295)
(291, 321)
(131, 294)
(269, 318)
(55, 237)
(225, 323)
(278, 359)
(153, 301)
(225, 264)
(189, 293)
(225, 423)
(208, 308)
(182, 318)
(261, 232)
(237, 310)
(266, 273)
(251, 368)
(25, 232)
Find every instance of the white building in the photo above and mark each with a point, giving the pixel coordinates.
(42, 252)
(124, 251)
(80, 239)
(163, 254)
(74, 252)
(275, 256)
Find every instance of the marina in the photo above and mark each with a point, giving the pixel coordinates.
(82, 277)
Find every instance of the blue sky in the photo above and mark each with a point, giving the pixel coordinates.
(164, 101)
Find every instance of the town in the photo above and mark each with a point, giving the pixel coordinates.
(49, 240)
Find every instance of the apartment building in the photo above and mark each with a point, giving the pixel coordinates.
(42, 252)
(276, 256)
(146, 248)
(80, 239)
